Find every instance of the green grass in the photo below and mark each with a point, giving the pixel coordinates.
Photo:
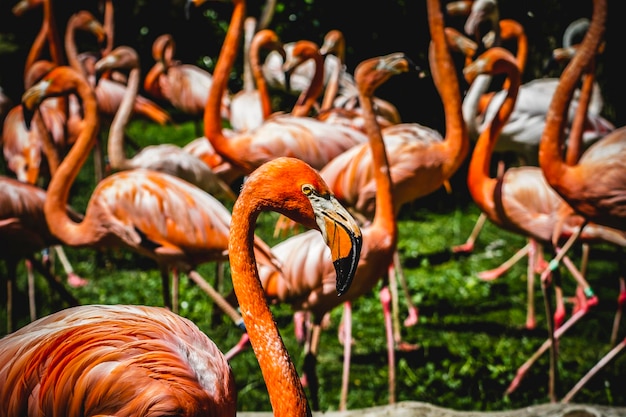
(471, 333)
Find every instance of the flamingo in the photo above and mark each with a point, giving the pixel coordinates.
(595, 186)
(24, 232)
(154, 214)
(185, 86)
(522, 133)
(167, 158)
(164, 361)
(306, 288)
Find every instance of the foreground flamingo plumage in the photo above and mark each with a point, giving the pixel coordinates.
(137, 360)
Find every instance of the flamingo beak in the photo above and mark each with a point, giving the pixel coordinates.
(343, 236)
(31, 100)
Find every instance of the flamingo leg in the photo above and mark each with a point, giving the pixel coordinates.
(601, 363)
(32, 303)
(497, 272)
(73, 279)
(165, 288)
(385, 299)
(531, 321)
(347, 353)
(217, 298)
(621, 300)
(468, 246)
(413, 316)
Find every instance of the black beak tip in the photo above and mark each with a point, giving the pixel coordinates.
(28, 116)
(346, 268)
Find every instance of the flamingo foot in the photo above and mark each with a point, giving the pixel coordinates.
(465, 248)
(413, 317)
(491, 274)
(531, 323)
(540, 265)
(75, 281)
(521, 372)
(406, 346)
(244, 341)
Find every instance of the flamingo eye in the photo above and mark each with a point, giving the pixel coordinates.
(307, 189)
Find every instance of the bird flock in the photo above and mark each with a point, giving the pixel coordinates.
(338, 167)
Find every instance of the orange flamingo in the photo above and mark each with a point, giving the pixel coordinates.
(178, 368)
(595, 186)
(184, 86)
(155, 214)
(306, 288)
(284, 135)
(24, 232)
(167, 158)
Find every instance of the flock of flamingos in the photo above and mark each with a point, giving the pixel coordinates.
(341, 163)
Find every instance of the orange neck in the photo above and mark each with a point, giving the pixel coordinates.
(212, 113)
(551, 159)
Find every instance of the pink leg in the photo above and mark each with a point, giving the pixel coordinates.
(243, 343)
(385, 300)
(468, 246)
(601, 363)
(492, 274)
(531, 322)
(621, 300)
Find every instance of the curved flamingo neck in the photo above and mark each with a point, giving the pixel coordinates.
(551, 159)
(248, 77)
(444, 75)
(308, 97)
(55, 207)
(263, 39)
(115, 151)
(212, 112)
(285, 392)
(575, 138)
(109, 26)
(480, 184)
(338, 48)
